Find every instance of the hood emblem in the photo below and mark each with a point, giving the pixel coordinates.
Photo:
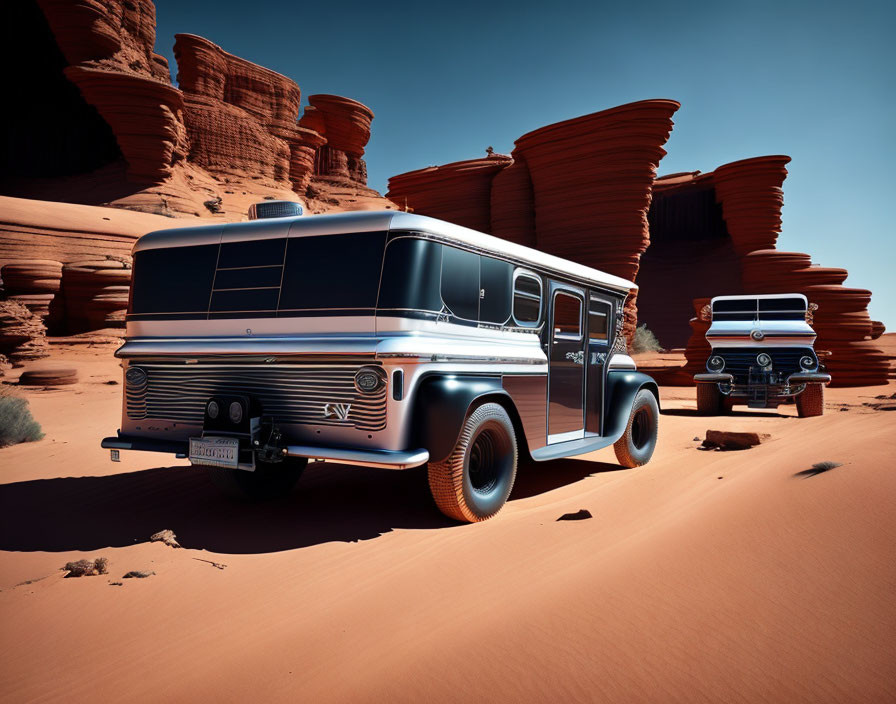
(337, 410)
(757, 335)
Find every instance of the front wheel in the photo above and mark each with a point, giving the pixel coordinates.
(637, 443)
(810, 402)
(268, 481)
(472, 484)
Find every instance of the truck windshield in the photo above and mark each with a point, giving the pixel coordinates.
(284, 277)
(759, 309)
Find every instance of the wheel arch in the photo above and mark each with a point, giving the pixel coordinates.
(444, 401)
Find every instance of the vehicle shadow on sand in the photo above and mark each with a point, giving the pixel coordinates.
(331, 503)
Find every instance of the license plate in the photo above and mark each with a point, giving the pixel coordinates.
(217, 452)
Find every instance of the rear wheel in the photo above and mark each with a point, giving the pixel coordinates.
(268, 481)
(472, 484)
(810, 402)
(637, 443)
(709, 399)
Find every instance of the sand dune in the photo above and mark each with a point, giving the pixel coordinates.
(703, 576)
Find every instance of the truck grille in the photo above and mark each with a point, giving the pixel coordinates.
(290, 393)
(740, 361)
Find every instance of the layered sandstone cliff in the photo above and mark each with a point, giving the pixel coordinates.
(227, 137)
(578, 189)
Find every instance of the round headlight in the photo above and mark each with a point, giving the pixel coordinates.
(213, 409)
(369, 379)
(236, 412)
(806, 362)
(135, 376)
(763, 360)
(716, 363)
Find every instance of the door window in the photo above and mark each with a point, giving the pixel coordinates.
(599, 321)
(567, 316)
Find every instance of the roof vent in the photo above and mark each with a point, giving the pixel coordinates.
(275, 209)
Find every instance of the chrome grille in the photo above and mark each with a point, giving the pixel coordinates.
(290, 393)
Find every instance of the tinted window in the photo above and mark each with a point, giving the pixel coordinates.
(252, 253)
(527, 300)
(782, 304)
(173, 280)
(567, 315)
(412, 272)
(495, 280)
(599, 321)
(460, 282)
(332, 271)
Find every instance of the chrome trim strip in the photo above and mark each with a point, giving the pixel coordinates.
(385, 459)
(808, 377)
(718, 377)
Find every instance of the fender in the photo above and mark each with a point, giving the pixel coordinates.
(622, 387)
(440, 407)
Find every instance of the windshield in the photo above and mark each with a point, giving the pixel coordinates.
(790, 308)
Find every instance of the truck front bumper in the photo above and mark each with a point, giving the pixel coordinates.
(385, 459)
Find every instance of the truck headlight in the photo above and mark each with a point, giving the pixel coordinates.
(716, 363)
(806, 362)
(763, 360)
(213, 409)
(236, 412)
(369, 379)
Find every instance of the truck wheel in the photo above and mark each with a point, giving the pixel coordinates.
(709, 399)
(810, 402)
(474, 481)
(268, 481)
(637, 443)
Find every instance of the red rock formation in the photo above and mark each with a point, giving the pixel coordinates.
(345, 124)
(23, 336)
(95, 294)
(34, 283)
(458, 192)
(228, 136)
(512, 206)
(751, 197)
(109, 46)
(591, 179)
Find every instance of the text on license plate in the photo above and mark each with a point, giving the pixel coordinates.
(217, 452)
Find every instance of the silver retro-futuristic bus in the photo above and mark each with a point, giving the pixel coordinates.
(762, 355)
(381, 339)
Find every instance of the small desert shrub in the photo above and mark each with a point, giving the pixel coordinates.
(645, 341)
(16, 422)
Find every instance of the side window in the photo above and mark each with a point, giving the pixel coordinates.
(567, 316)
(460, 282)
(526, 299)
(494, 278)
(599, 314)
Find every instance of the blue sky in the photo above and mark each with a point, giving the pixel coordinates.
(815, 80)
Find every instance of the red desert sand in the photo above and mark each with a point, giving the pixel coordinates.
(703, 576)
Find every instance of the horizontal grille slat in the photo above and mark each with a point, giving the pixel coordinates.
(290, 393)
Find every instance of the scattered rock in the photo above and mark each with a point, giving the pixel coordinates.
(116, 584)
(138, 574)
(214, 205)
(49, 376)
(217, 565)
(730, 440)
(165, 536)
(579, 515)
(86, 568)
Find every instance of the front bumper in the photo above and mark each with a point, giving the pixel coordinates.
(384, 459)
(793, 379)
